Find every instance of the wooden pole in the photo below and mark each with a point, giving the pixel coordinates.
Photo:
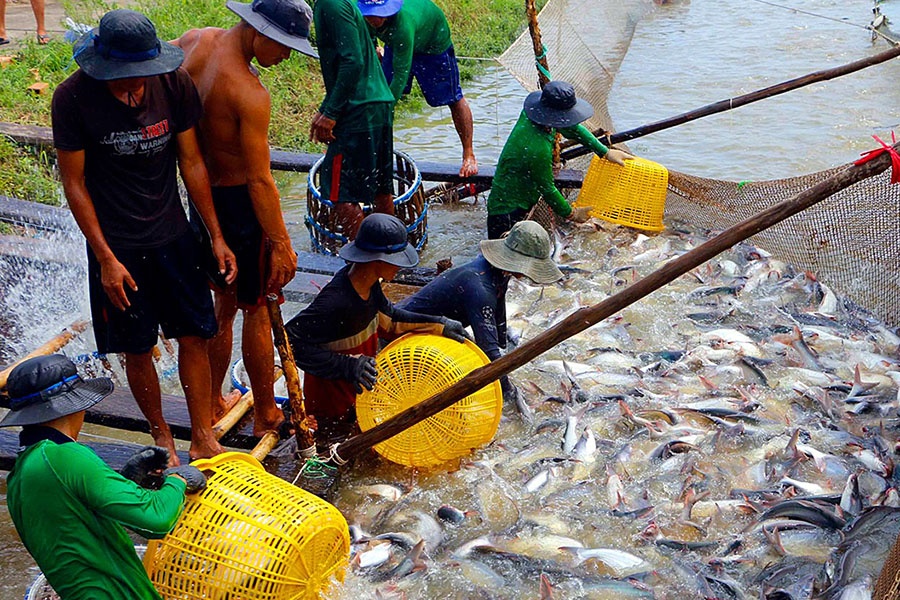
(306, 441)
(535, 30)
(234, 415)
(265, 445)
(49, 347)
(591, 315)
(723, 105)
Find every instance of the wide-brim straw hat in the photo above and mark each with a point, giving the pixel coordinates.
(284, 21)
(48, 387)
(556, 106)
(125, 45)
(526, 250)
(379, 8)
(381, 237)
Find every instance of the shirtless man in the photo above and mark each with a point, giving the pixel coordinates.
(233, 134)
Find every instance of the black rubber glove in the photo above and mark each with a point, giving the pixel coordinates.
(455, 331)
(145, 467)
(363, 373)
(196, 480)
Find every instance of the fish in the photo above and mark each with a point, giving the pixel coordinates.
(376, 555)
(540, 479)
(621, 563)
(571, 434)
(410, 563)
(453, 515)
(585, 449)
(806, 511)
(383, 490)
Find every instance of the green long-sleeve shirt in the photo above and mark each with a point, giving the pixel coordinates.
(525, 168)
(69, 508)
(350, 67)
(419, 28)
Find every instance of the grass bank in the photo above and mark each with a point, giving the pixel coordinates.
(480, 28)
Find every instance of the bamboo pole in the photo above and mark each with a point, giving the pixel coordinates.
(265, 445)
(535, 30)
(738, 101)
(306, 441)
(48, 347)
(588, 316)
(234, 415)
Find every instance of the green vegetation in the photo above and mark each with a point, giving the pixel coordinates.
(480, 28)
(26, 175)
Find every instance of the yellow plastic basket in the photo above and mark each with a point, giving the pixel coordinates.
(414, 368)
(633, 195)
(249, 535)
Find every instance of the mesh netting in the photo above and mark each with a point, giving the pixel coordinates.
(848, 240)
(888, 585)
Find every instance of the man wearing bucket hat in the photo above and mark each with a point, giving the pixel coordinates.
(123, 125)
(335, 338)
(525, 168)
(417, 44)
(475, 293)
(69, 507)
(355, 118)
(233, 133)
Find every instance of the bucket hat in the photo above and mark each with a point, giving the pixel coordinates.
(284, 21)
(48, 387)
(526, 250)
(379, 8)
(125, 45)
(381, 237)
(557, 106)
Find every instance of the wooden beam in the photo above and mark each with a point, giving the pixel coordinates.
(282, 160)
(113, 453)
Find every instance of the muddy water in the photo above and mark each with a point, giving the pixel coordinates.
(683, 56)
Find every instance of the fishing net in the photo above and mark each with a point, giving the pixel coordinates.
(848, 240)
(888, 585)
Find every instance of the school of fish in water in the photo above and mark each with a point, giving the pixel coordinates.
(729, 436)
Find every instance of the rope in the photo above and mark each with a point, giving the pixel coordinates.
(811, 14)
(537, 62)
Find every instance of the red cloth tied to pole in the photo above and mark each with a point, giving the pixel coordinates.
(895, 157)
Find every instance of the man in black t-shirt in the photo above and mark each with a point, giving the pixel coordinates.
(121, 125)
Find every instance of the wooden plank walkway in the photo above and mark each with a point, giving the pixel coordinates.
(113, 453)
(282, 160)
(119, 410)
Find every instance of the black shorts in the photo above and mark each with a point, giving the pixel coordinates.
(245, 237)
(498, 225)
(359, 165)
(172, 293)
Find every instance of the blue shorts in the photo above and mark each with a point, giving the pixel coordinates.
(172, 293)
(437, 74)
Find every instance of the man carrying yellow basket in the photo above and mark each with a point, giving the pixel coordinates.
(525, 168)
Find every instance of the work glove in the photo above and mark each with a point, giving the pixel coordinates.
(454, 330)
(145, 467)
(363, 373)
(617, 156)
(194, 477)
(580, 214)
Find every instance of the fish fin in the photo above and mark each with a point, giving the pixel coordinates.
(546, 589)
(573, 550)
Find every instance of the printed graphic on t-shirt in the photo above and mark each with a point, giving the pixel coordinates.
(147, 141)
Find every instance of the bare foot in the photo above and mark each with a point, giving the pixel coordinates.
(469, 167)
(205, 449)
(266, 419)
(224, 404)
